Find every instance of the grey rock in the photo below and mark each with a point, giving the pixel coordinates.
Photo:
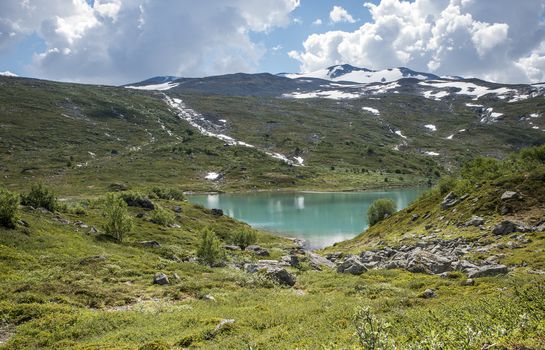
(291, 260)
(468, 282)
(510, 226)
(429, 293)
(257, 250)
(149, 244)
(317, 261)
(415, 217)
(281, 276)
(160, 278)
(231, 247)
(23, 223)
(177, 209)
(487, 271)
(223, 325)
(464, 266)
(507, 195)
(449, 201)
(217, 212)
(208, 297)
(475, 221)
(353, 265)
(333, 256)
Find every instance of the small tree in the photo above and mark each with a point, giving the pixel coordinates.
(210, 251)
(380, 209)
(118, 221)
(244, 238)
(9, 208)
(162, 216)
(41, 197)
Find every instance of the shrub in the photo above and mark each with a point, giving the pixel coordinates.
(380, 209)
(137, 199)
(166, 193)
(446, 185)
(118, 221)
(481, 169)
(9, 208)
(244, 238)
(162, 216)
(371, 331)
(210, 251)
(41, 197)
(77, 209)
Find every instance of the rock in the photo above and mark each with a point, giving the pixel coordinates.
(160, 278)
(487, 271)
(429, 293)
(415, 217)
(291, 260)
(231, 247)
(223, 325)
(174, 226)
(468, 282)
(281, 276)
(217, 212)
(475, 221)
(509, 226)
(253, 268)
(333, 256)
(23, 223)
(141, 202)
(208, 297)
(257, 250)
(508, 195)
(93, 230)
(317, 261)
(424, 261)
(177, 209)
(353, 265)
(464, 266)
(92, 259)
(449, 201)
(150, 244)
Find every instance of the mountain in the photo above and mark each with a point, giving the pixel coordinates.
(350, 73)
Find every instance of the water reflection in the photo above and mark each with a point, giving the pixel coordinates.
(321, 219)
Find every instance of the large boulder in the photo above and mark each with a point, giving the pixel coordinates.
(509, 226)
(449, 201)
(353, 265)
(281, 275)
(475, 221)
(424, 261)
(317, 261)
(487, 271)
(160, 278)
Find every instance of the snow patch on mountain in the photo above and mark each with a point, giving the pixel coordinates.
(196, 120)
(430, 127)
(331, 94)
(399, 133)
(371, 110)
(489, 116)
(468, 89)
(8, 74)
(158, 87)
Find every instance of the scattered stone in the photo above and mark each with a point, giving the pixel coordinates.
(208, 297)
(509, 226)
(429, 293)
(23, 223)
(160, 278)
(508, 195)
(150, 244)
(449, 201)
(281, 276)
(333, 256)
(317, 261)
(92, 259)
(174, 226)
(231, 247)
(464, 266)
(93, 230)
(257, 250)
(487, 271)
(217, 212)
(475, 221)
(415, 217)
(291, 260)
(353, 265)
(468, 282)
(223, 325)
(177, 209)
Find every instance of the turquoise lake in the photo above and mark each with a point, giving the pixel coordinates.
(320, 219)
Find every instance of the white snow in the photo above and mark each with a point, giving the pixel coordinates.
(398, 132)
(431, 127)
(450, 137)
(159, 87)
(431, 153)
(474, 105)
(212, 176)
(535, 127)
(435, 95)
(535, 115)
(8, 74)
(331, 94)
(92, 154)
(489, 116)
(382, 89)
(223, 121)
(193, 118)
(357, 76)
(517, 98)
(299, 160)
(371, 110)
(466, 88)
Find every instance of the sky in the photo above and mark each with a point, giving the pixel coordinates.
(123, 41)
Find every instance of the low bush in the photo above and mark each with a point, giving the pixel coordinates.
(137, 199)
(210, 252)
(9, 208)
(41, 197)
(118, 221)
(162, 216)
(380, 209)
(244, 238)
(166, 193)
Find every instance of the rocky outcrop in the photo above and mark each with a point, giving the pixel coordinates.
(257, 250)
(487, 271)
(509, 226)
(281, 276)
(475, 221)
(317, 262)
(352, 265)
(449, 201)
(160, 278)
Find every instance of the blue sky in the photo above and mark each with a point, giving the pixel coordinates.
(123, 41)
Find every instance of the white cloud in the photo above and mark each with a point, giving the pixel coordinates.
(502, 40)
(339, 14)
(120, 41)
(317, 22)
